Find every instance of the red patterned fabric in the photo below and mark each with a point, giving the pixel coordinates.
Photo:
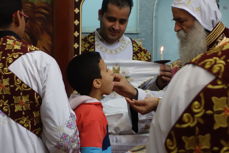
(17, 100)
(204, 124)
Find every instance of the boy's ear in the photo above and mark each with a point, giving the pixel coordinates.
(97, 83)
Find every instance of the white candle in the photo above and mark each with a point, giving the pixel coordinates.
(162, 52)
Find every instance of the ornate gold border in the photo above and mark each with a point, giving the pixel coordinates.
(216, 32)
(77, 26)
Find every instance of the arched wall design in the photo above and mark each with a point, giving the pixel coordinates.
(144, 33)
(157, 29)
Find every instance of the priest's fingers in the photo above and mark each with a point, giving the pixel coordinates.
(167, 74)
(118, 77)
(136, 102)
(140, 109)
(144, 106)
(165, 78)
(123, 87)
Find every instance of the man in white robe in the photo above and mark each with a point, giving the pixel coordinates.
(35, 115)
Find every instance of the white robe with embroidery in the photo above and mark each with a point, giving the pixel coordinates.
(41, 72)
(184, 86)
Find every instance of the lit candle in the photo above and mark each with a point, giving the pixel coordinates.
(162, 52)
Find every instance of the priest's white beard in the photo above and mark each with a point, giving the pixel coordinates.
(192, 43)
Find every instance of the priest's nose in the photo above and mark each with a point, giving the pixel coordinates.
(177, 27)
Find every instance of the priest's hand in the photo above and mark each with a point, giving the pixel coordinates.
(144, 106)
(165, 76)
(123, 87)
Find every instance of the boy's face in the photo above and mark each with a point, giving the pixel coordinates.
(107, 78)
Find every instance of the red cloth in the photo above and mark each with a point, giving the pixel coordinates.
(92, 124)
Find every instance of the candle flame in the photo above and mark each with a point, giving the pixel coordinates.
(161, 52)
(162, 49)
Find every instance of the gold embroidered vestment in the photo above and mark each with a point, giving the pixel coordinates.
(17, 100)
(203, 127)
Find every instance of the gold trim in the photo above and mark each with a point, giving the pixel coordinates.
(81, 27)
(122, 44)
(216, 32)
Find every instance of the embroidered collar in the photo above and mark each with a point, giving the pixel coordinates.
(9, 33)
(216, 35)
(101, 44)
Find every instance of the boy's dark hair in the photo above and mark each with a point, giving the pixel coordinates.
(7, 8)
(119, 3)
(82, 70)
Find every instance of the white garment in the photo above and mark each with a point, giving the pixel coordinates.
(41, 72)
(184, 86)
(76, 99)
(115, 106)
(120, 50)
(205, 11)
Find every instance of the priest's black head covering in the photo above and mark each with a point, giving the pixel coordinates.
(7, 8)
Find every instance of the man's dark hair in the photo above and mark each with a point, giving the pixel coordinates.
(7, 8)
(119, 3)
(82, 70)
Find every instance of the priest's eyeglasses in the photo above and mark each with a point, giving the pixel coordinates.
(26, 17)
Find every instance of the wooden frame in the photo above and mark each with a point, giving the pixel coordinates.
(67, 33)
(67, 30)
(63, 39)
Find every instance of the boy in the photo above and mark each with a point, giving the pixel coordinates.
(90, 77)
